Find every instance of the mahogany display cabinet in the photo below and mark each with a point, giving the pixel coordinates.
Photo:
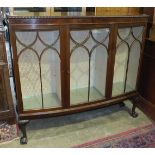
(70, 64)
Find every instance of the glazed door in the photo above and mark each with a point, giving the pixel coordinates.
(89, 49)
(127, 58)
(37, 60)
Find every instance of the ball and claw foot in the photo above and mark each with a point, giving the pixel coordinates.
(22, 126)
(23, 140)
(134, 114)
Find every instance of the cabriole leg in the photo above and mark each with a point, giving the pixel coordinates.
(133, 113)
(22, 127)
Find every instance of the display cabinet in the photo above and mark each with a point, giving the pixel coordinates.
(65, 65)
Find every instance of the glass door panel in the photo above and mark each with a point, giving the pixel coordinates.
(120, 69)
(39, 68)
(135, 50)
(30, 80)
(133, 67)
(50, 74)
(88, 64)
(98, 69)
(127, 59)
(79, 71)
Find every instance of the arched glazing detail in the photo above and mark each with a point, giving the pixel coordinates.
(38, 55)
(129, 42)
(88, 64)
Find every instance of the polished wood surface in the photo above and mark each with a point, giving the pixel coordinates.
(61, 20)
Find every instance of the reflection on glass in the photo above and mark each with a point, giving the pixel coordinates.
(39, 68)
(127, 59)
(88, 65)
(133, 67)
(50, 73)
(79, 69)
(120, 69)
(98, 69)
(30, 80)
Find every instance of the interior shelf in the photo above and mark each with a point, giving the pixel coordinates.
(51, 100)
(81, 95)
(118, 88)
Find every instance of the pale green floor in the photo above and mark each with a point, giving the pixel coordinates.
(71, 130)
